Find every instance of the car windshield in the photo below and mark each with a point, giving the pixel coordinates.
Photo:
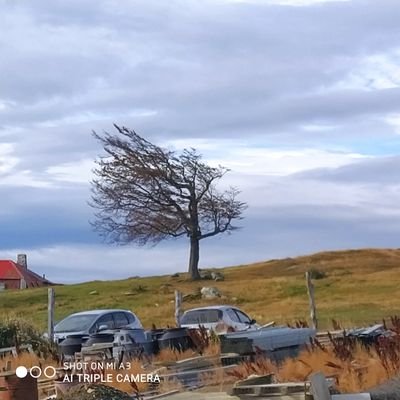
(201, 317)
(76, 323)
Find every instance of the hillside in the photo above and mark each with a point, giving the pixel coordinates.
(360, 286)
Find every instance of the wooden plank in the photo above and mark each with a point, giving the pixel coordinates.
(178, 374)
(293, 390)
(353, 396)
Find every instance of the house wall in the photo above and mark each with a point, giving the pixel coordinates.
(11, 283)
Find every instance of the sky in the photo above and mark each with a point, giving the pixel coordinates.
(299, 98)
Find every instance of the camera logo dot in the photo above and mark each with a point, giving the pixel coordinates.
(21, 372)
(36, 372)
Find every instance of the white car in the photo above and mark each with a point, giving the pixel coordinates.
(218, 318)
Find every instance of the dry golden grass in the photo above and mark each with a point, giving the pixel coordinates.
(364, 371)
(170, 385)
(213, 349)
(171, 355)
(361, 287)
(136, 368)
(27, 360)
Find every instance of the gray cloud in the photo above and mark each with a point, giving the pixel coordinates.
(277, 232)
(181, 70)
(382, 171)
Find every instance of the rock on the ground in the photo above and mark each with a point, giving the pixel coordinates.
(210, 293)
(206, 276)
(217, 276)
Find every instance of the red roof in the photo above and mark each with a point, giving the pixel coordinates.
(13, 271)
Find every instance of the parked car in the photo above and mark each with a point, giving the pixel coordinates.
(95, 321)
(218, 318)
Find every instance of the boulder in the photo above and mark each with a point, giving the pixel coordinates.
(217, 276)
(206, 276)
(210, 293)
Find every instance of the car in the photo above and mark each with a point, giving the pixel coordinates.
(218, 318)
(95, 321)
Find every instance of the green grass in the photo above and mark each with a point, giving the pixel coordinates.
(360, 287)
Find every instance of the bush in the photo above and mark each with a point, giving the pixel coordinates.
(15, 332)
(317, 274)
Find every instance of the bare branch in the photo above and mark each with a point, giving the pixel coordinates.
(143, 193)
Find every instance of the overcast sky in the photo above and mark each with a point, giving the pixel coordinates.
(299, 98)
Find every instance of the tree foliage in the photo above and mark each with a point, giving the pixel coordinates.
(144, 194)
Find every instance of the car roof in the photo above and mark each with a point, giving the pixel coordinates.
(218, 307)
(99, 312)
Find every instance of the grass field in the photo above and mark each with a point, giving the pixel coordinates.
(361, 286)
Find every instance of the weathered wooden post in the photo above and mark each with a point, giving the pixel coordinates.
(310, 290)
(50, 313)
(178, 307)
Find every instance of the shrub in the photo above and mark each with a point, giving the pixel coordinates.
(15, 332)
(317, 274)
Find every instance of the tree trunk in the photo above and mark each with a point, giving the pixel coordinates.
(194, 258)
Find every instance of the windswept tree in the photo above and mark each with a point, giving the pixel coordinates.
(144, 194)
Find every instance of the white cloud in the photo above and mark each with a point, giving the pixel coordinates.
(252, 158)
(6, 104)
(74, 172)
(374, 72)
(201, 144)
(24, 178)
(394, 121)
(294, 3)
(8, 160)
(11, 174)
(277, 162)
(317, 127)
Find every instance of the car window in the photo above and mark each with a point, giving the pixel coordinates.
(201, 317)
(131, 318)
(76, 323)
(120, 319)
(232, 315)
(106, 320)
(243, 318)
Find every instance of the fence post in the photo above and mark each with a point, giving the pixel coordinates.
(178, 309)
(310, 290)
(50, 313)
